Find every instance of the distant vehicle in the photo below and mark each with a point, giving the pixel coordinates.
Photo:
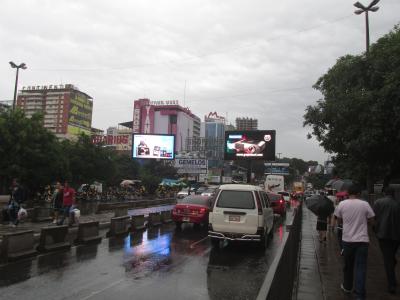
(286, 195)
(191, 209)
(182, 193)
(200, 190)
(298, 186)
(210, 191)
(241, 212)
(278, 203)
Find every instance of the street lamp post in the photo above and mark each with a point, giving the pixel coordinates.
(15, 66)
(362, 9)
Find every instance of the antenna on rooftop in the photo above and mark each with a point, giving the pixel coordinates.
(184, 95)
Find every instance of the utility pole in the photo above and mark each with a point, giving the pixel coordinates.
(366, 9)
(15, 66)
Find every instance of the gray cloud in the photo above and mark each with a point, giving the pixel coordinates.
(243, 58)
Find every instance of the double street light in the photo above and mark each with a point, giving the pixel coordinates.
(15, 66)
(365, 9)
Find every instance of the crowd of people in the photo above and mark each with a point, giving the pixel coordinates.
(62, 200)
(351, 217)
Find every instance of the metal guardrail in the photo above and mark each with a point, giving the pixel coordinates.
(284, 268)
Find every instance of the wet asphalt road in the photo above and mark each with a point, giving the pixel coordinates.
(160, 263)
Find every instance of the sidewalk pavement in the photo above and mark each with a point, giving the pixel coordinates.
(321, 267)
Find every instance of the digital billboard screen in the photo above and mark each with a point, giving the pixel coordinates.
(250, 144)
(156, 146)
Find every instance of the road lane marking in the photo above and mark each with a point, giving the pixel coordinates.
(92, 294)
(198, 242)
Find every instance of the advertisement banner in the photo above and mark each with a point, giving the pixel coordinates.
(191, 166)
(153, 146)
(276, 170)
(74, 130)
(250, 144)
(274, 183)
(80, 112)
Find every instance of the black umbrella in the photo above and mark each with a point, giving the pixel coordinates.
(320, 205)
(339, 185)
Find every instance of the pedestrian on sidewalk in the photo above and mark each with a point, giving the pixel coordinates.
(355, 214)
(68, 202)
(339, 225)
(57, 199)
(387, 229)
(14, 204)
(322, 227)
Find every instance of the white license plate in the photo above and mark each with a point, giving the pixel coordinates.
(186, 219)
(234, 218)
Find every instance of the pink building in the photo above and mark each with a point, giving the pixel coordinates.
(165, 117)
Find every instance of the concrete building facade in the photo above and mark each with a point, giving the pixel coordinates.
(67, 110)
(165, 117)
(246, 124)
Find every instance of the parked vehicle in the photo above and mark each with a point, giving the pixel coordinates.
(191, 209)
(210, 191)
(200, 190)
(278, 203)
(241, 212)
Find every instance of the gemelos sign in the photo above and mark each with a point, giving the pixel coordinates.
(191, 166)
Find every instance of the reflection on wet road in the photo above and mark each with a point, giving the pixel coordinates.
(160, 263)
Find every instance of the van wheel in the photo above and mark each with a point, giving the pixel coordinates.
(264, 242)
(270, 236)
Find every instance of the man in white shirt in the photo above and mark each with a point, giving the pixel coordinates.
(355, 214)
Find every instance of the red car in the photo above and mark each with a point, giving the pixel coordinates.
(278, 203)
(191, 209)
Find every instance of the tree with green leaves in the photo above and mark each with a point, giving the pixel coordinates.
(358, 119)
(28, 151)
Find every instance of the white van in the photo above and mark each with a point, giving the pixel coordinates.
(241, 212)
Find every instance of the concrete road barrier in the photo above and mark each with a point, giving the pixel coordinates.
(42, 214)
(154, 219)
(88, 232)
(119, 226)
(17, 245)
(137, 223)
(53, 239)
(166, 216)
(121, 211)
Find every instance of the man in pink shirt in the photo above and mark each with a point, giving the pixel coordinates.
(68, 201)
(355, 214)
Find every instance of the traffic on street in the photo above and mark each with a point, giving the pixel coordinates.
(158, 263)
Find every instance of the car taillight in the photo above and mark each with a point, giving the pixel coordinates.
(281, 201)
(202, 210)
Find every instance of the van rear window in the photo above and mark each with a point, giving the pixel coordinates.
(236, 199)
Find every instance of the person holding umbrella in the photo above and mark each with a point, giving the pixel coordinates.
(322, 207)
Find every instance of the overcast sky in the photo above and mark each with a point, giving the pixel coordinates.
(238, 58)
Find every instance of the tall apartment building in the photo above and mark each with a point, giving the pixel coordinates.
(246, 124)
(67, 110)
(165, 117)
